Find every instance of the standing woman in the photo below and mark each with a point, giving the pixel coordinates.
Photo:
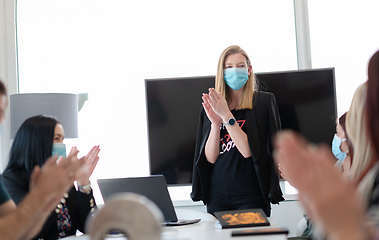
(35, 141)
(233, 163)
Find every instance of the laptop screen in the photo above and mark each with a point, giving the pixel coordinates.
(153, 187)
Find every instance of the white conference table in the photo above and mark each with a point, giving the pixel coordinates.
(204, 230)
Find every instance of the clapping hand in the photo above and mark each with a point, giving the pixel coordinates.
(213, 117)
(91, 160)
(330, 200)
(218, 103)
(215, 106)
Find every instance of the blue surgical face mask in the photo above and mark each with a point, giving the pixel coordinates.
(236, 77)
(59, 149)
(336, 148)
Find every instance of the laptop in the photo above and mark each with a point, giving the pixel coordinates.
(153, 187)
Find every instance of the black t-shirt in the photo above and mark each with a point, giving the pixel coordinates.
(232, 173)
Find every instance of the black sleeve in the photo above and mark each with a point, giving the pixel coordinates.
(201, 167)
(86, 202)
(50, 228)
(196, 181)
(275, 193)
(274, 118)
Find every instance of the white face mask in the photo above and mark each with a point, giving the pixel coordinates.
(59, 149)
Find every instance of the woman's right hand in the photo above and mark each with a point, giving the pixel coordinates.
(213, 117)
(91, 160)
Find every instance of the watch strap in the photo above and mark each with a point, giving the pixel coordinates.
(85, 187)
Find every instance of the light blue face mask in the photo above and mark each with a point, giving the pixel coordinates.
(336, 148)
(59, 149)
(236, 77)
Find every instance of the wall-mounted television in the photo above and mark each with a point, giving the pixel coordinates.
(305, 98)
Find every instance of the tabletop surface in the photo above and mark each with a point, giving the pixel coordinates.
(204, 230)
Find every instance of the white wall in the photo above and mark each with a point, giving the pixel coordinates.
(106, 60)
(326, 38)
(344, 35)
(338, 39)
(8, 69)
(109, 49)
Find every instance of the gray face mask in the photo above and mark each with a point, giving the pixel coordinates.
(59, 149)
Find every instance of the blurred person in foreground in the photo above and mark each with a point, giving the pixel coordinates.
(38, 138)
(333, 202)
(47, 186)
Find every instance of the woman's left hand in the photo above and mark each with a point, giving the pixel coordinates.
(91, 160)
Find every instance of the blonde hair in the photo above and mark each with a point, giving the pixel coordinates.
(246, 101)
(356, 129)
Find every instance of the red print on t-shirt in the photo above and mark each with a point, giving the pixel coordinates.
(226, 142)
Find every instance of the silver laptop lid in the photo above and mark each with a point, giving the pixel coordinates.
(153, 187)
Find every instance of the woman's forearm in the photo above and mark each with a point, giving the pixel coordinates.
(212, 146)
(239, 138)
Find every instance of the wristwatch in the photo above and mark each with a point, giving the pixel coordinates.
(230, 122)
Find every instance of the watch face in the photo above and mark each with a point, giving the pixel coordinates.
(231, 121)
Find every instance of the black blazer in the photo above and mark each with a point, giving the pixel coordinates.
(262, 122)
(78, 203)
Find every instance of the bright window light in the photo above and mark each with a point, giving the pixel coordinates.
(108, 48)
(343, 35)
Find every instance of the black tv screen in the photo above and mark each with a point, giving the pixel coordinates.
(305, 98)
